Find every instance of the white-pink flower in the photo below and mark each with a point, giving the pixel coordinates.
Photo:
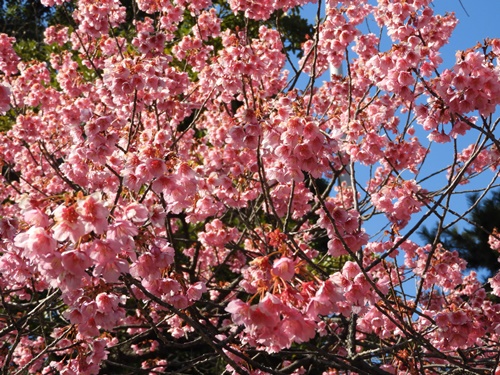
(284, 268)
(93, 213)
(69, 224)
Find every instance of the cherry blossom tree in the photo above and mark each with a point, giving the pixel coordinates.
(175, 202)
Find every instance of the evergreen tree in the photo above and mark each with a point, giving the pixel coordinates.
(471, 242)
(23, 19)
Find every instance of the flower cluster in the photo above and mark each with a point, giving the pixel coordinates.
(173, 198)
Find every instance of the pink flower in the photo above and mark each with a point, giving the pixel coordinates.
(284, 268)
(75, 261)
(406, 78)
(50, 3)
(136, 212)
(495, 284)
(325, 299)
(8, 228)
(36, 241)
(93, 213)
(8, 57)
(4, 99)
(68, 224)
(239, 310)
(195, 291)
(145, 267)
(58, 35)
(107, 303)
(112, 270)
(36, 217)
(494, 240)
(298, 329)
(102, 251)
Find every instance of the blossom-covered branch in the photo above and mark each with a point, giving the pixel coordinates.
(174, 201)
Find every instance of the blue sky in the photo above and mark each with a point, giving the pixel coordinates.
(482, 22)
(479, 20)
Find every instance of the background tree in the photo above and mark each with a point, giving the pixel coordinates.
(472, 242)
(26, 21)
(23, 19)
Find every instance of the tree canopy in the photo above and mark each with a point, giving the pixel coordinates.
(174, 201)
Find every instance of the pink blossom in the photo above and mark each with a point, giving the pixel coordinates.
(136, 213)
(50, 3)
(495, 284)
(4, 99)
(94, 214)
(494, 240)
(36, 217)
(169, 187)
(239, 311)
(56, 35)
(36, 241)
(67, 224)
(195, 291)
(8, 60)
(284, 268)
(75, 261)
(8, 228)
(107, 303)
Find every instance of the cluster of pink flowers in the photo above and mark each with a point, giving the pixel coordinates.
(95, 19)
(471, 86)
(9, 58)
(163, 186)
(343, 228)
(399, 201)
(58, 35)
(4, 99)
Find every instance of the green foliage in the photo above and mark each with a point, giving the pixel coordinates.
(26, 21)
(23, 19)
(28, 49)
(7, 120)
